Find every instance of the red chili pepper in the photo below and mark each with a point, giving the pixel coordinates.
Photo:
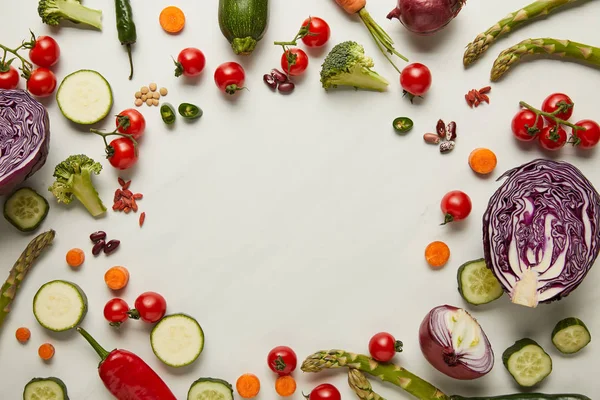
(127, 376)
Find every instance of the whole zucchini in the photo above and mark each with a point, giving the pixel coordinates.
(243, 23)
(527, 396)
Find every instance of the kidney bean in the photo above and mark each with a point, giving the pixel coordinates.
(270, 81)
(97, 236)
(441, 128)
(111, 246)
(279, 76)
(451, 132)
(98, 247)
(431, 138)
(286, 87)
(446, 147)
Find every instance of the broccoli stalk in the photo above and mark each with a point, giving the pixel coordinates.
(347, 65)
(74, 178)
(53, 11)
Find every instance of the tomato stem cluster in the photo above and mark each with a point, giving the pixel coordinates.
(26, 66)
(291, 57)
(552, 116)
(123, 124)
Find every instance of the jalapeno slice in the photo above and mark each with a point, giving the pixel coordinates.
(403, 124)
(167, 113)
(189, 111)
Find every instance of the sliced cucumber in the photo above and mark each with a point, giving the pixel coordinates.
(477, 284)
(527, 362)
(177, 340)
(570, 335)
(45, 389)
(84, 97)
(25, 209)
(210, 389)
(59, 305)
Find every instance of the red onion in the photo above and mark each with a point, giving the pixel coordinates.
(454, 343)
(425, 17)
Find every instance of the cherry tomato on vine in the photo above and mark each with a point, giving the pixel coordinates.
(325, 391)
(190, 62)
(319, 32)
(42, 82)
(456, 206)
(553, 138)
(124, 154)
(45, 52)
(282, 360)
(150, 307)
(383, 346)
(136, 124)
(9, 79)
(300, 61)
(588, 138)
(524, 126)
(115, 311)
(558, 101)
(415, 79)
(229, 77)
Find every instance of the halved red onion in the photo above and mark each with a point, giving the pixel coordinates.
(454, 343)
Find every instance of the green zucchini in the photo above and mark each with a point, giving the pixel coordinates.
(243, 23)
(570, 335)
(45, 389)
(59, 305)
(477, 284)
(527, 362)
(177, 340)
(25, 209)
(527, 396)
(210, 389)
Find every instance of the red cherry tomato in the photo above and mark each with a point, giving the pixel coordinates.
(456, 206)
(383, 346)
(134, 126)
(150, 306)
(229, 77)
(325, 391)
(42, 82)
(524, 125)
(588, 138)
(319, 32)
(553, 138)
(115, 311)
(415, 79)
(299, 64)
(124, 154)
(555, 102)
(282, 360)
(190, 62)
(9, 79)
(45, 52)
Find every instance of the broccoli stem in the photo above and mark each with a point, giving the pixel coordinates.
(85, 192)
(76, 12)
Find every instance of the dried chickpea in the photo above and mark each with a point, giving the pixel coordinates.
(152, 87)
(163, 91)
(144, 89)
(138, 95)
(138, 102)
(144, 97)
(156, 95)
(154, 102)
(149, 102)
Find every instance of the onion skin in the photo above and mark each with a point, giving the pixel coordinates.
(425, 17)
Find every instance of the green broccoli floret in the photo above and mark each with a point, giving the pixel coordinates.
(74, 178)
(53, 11)
(347, 65)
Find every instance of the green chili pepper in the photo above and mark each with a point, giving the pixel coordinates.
(189, 111)
(167, 113)
(402, 124)
(126, 28)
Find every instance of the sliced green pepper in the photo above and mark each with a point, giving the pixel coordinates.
(190, 111)
(167, 113)
(402, 124)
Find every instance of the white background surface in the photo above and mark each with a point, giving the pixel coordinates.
(297, 220)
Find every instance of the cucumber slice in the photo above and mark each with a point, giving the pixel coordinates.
(25, 209)
(477, 283)
(45, 389)
(210, 389)
(84, 97)
(59, 305)
(177, 340)
(527, 362)
(570, 335)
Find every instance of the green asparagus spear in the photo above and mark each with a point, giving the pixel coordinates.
(483, 41)
(19, 271)
(560, 48)
(391, 373)
(361, 385)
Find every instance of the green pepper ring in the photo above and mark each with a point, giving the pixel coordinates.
(403, 124)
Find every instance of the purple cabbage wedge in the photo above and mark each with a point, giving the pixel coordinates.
(24, 137)
(541, 231)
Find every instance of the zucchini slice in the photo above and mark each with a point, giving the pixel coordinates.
(25, 209)
(51, 388)
(527, 362)
(84, 97)
(477, 283)
(59, 305)
(570, 335)
(210, 389)
(177, 340)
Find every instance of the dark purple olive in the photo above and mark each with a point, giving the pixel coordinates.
(279, 76)
(97, 236)
(286, 87)
(98, 247)
(270, 81)
(111, 246)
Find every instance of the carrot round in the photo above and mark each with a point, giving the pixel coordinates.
(75, 257)
(285, 386)
(46, 351)
(23, 335)
(352, 6)
(172, 19)
(116, 278)
(248, 386)
(437, 254)
(482, 161)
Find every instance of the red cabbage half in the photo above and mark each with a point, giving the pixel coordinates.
(541, 231)
(24, 137)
